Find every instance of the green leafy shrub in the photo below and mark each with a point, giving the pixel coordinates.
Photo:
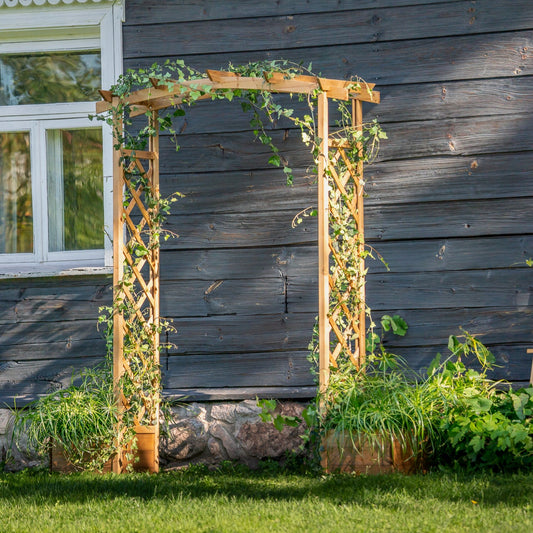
(485, 423)
(382, 401)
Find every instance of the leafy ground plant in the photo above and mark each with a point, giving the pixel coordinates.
(485, 423)
(379, 403)
(454, 417)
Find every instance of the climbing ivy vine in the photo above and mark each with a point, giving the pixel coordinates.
(141, 385)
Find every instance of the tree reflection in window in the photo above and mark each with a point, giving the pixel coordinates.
(51, 77)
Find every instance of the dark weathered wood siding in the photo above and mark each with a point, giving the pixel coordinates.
(449, 201)
(48, 332)
(449, 206)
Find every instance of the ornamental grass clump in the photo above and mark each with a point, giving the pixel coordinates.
(79, 420)
(380, 403)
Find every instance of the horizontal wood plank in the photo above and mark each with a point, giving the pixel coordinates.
(425, 290)
(506, 325)
(449, 178)
(467, 289)
(449, 219)
(233, 192)
(484, 135)
(513, 363)
(469, 57)
(238, 263)
(459, 137)
(451, 99)
(421, 255)
(24, 381)
(238, 230)
(263, 369)
(432, 290)
(140, 11)
(75, 348)
(44, 340)
(222, 297)
(453, 254)
(408, 181)
(242, 333)
(209, 394)
(509, 216)
(49, 309)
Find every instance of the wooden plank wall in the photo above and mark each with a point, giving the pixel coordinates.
(48, 333)
(450, 196)
(449, 206)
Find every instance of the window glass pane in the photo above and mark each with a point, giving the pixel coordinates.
(75, 189)
(16, 221)
(49, 77)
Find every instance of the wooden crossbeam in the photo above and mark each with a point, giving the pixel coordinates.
(339, 143)
(139, 154)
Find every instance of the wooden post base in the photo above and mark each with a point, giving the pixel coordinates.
(146, 456)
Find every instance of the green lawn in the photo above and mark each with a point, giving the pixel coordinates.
(235, 500)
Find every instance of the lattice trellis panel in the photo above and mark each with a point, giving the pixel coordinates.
(346, 243)
(137, 372)
(341, 305)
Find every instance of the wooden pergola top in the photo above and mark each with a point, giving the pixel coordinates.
(174, 92)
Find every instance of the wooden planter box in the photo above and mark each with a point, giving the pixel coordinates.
(59, 463)
(147, 454)
(341, 453)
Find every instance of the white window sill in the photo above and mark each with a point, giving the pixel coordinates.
(46, 270)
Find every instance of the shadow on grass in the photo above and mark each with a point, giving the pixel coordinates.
(492, 489)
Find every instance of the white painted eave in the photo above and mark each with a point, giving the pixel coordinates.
(28, 3)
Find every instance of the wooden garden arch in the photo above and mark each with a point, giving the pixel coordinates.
(341, 329)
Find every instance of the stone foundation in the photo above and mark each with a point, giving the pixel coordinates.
(206, 433)
(210, 433)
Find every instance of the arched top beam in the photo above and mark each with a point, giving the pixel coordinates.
(175, 92)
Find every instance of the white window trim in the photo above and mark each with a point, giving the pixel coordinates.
(101, 27)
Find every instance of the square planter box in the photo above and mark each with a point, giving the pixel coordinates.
(59, 463)
(341, 453)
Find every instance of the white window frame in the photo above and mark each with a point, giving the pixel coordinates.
(75, 27)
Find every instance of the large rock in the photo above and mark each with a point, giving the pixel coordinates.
(225, 412)
(230, 444)
(186, 439)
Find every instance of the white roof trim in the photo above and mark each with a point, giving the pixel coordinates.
(27, 3)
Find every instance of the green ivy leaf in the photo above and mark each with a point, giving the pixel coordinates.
(396, 323)
(275, 160)
(278, 423)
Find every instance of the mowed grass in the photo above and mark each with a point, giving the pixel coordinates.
(236, 500)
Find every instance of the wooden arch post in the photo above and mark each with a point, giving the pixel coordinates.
(324, 327)
(136, 179)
